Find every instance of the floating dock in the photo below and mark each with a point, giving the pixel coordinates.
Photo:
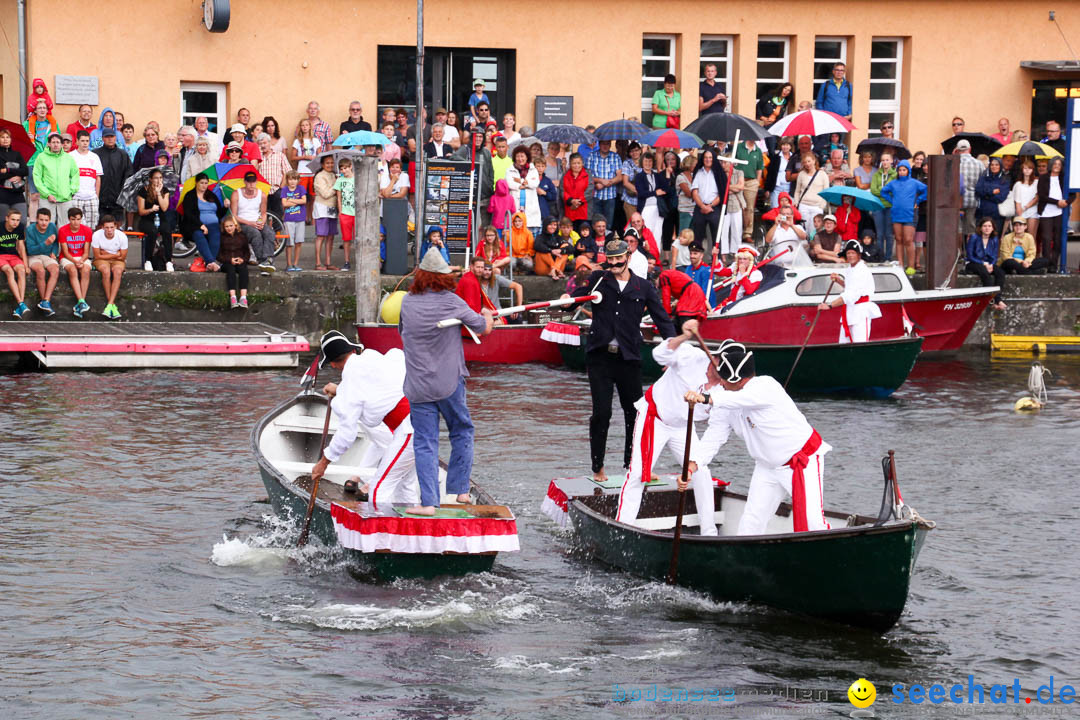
(1034, 344)
(112, 345)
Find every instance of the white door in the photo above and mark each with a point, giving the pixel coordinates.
(203, 99)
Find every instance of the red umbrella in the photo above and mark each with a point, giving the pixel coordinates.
(20, 139)
(811, 122)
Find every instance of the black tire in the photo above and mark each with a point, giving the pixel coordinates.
(280, 236)
(183, 247)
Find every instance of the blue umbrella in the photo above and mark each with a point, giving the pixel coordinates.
(361, 137)
(569, 134)
(621, 130)
(671, 138)
(864, 199)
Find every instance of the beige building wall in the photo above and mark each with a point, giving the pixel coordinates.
(274, 57)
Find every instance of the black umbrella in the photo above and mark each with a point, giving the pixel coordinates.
(130, 192)
(621, 130)
(981, 144)
(569, 134)
(877, 144)
(722, 126)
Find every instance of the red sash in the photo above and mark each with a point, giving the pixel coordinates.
(843, 316)
(398, 414)
(647, 437)
(797, 462)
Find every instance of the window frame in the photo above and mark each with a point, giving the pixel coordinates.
(816, 84)
(886, 107)
(646, 102)
(221, 116)
(785, 75)
(728, 79)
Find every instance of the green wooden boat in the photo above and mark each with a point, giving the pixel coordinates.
(876, 368)
(286, 444)
(857, 573)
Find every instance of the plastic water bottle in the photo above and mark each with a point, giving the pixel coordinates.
(157, 222)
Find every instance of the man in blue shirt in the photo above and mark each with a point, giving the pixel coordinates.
(699, 272)
(711, 97)
(835, 93)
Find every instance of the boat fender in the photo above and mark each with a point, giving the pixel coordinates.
(390, 308)
(1027, 404)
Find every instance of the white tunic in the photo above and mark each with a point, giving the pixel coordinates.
(371, 386)
(767, 420)
(859, 282)
(686, 370)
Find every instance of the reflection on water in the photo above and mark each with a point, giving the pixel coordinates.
(143, 576)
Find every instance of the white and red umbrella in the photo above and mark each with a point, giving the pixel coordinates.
(811, 122)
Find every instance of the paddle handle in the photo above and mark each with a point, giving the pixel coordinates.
(594, 297)
(674, 566)
(728, 281)
(302, 540)
(808, 334)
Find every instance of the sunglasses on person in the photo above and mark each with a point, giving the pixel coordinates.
(958, 124)
(886, 127)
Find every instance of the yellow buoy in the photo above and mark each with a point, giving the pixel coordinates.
(390, 308)
(1027, 404)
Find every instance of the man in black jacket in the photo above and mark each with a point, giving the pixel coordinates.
(115, 169)
(613, 353)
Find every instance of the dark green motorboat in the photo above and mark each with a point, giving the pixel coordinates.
(857, 573)
(876, 368)
(286, 444)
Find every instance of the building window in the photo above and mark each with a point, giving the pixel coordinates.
(717, 49)
(886, 63)
(657, 60)
(827, 52)
(207, 99)
(772, 63)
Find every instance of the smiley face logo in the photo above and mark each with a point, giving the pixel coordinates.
(862, 693)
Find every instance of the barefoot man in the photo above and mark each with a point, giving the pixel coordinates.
(435, 377)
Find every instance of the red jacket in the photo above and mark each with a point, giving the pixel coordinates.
(575, 188)
(679, 287)
(469, 290)
(847, 222)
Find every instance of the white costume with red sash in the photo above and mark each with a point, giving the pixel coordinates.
(858, 309)
(370, 396)
(789, 455)
(661, 421)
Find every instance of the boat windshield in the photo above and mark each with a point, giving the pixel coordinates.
(795, 258)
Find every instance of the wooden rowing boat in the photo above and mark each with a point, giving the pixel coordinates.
(391, 545)
(857, 573)
(506, 345)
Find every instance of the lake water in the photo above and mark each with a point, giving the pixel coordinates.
(142, 574)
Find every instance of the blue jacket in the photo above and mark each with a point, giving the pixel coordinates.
(425, 244)
(984, 192)
(905, 192)
(974, 251)
(701, 277)
(96, 140)
(549, 204)
(835, 99)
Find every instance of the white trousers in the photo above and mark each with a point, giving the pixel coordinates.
(650, 214)
(769, 486)
(632, 489)
(860, 332)
(808, 213)
(731, 233)
(395, 480)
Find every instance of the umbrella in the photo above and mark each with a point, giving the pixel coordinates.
(1038, 150)
(722, 126)
(338, 154)
(526, 141)
(129, 194)
(671, 138)
(878, 144)
(621, 130)
(21, 141)
(569, 134)
(226, 177)
(361, 137)
(981, 144)
(864, 199)
(810, 122)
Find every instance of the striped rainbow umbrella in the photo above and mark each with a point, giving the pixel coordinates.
(224, 179)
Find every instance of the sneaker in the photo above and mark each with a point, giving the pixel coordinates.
(19, 311)
(84, 306)
(233, 302)
(346, 266)
(147, 266)
(267, 266)
(910, 271)
(77, 311)
(294, 268)
(115, 313)
(25, 309)
(46, 307)
(264, 273)
(169, 267)
(244, 302)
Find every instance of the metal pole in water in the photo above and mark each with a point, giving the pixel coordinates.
(420, 190)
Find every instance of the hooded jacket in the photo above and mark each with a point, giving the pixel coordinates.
(795, 214)
(501, 204)
(521, 241)
(56, 175)
(115, 169)
(426, 244)
(95, 134)
(880, 179)
(905, 192)
(984, 192)
(12, 161)
(31, 101)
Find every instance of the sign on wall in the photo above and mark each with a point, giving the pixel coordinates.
(554, 110)
(76, 89)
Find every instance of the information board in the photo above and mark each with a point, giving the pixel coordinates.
(446, 202)
(554, 110)
(76, 89)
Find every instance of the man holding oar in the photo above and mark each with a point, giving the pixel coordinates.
(370, 396)
(613, 355)
(435, 377)
(661, 421)
(789, 454)
(858, 283)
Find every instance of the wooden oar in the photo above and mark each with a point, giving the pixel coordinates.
(302, 540)
(673, 568)
(726, 282)
(812, 326)
(594, 297)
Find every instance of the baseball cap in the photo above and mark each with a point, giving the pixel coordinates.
(478, 81)
(108, 132)
(963, 145)
(441, 111)
(830, 216)
(234, 146)
(238, 127)
(66, 136)
(54, 133)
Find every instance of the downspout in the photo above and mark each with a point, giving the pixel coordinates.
(22, 55)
